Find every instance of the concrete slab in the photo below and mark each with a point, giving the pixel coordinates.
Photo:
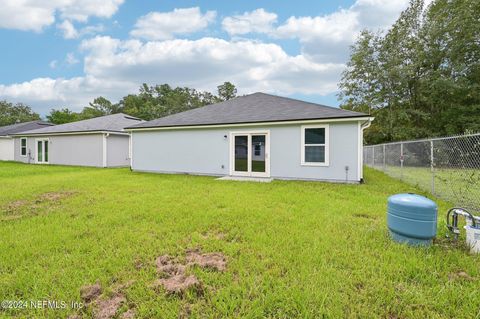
(246, 179)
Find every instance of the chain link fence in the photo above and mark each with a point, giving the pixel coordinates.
(447, 167)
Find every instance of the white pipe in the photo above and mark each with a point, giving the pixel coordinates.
(363, 126)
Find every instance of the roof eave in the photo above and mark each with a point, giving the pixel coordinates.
(275, 122)
(27, 134)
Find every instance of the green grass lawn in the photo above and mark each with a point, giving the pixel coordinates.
(294, 249)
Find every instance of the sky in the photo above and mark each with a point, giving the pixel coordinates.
(64, 53)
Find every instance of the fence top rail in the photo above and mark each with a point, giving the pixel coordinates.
(428, 139)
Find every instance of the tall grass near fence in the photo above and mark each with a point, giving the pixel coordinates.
(448, 167)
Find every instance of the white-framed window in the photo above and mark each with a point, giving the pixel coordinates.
(315, 148)
(23, 146)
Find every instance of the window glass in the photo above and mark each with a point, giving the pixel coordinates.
(315, 135)
(23, 147)
(315, 154)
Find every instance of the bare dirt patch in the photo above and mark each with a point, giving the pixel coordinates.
(107, 308)
(21, 208)
(15, 205)
(460, 275)
(90, 293)
(215, 261)
(169, 266)
(178, 284)
(176, 280)
(53, 196)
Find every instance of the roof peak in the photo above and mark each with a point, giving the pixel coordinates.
(256, 107)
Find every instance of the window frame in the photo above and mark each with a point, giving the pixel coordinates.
(326, 145)
(21, 146)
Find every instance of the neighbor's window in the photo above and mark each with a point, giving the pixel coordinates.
(315, 145)
(23, 146)
(258, 149)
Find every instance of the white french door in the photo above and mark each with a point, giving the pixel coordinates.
(41, 151)
(250, 154)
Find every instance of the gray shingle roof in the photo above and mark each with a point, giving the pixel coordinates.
(109, 123)
(23, 127)
(256, 107)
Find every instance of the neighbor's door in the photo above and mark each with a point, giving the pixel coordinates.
(41, 151)
(250, 154)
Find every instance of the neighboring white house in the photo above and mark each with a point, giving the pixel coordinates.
(7, 143)
(99, 142)
(258, 135)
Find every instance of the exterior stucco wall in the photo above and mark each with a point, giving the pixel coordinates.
(6, 149)
(181, 151)
(81, 150)
(117, 151)
(207, 151)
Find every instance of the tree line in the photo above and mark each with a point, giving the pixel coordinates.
(150, 103)
(421, 78)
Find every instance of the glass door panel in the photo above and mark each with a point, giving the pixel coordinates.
(45, 151)
(258, 148)
(40, 151)
(241, 153)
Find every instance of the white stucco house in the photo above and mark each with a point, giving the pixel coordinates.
(257, 135)
(98, 142)
(7, 141)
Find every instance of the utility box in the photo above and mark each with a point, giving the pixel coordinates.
(412, 219)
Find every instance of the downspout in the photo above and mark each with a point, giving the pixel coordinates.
(363, 126)
(130, 149)
(104, 144)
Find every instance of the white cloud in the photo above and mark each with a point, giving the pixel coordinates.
(259, 21)
(81, 10)
(164, 25)
(326, 38)
(47, 93)
(34, 15)
(114, 68)
(68, 30)
(206, 62)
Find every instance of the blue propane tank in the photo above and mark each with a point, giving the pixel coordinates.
(412, 219)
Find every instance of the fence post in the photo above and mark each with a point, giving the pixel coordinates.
(431, 167)
(401, 160)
